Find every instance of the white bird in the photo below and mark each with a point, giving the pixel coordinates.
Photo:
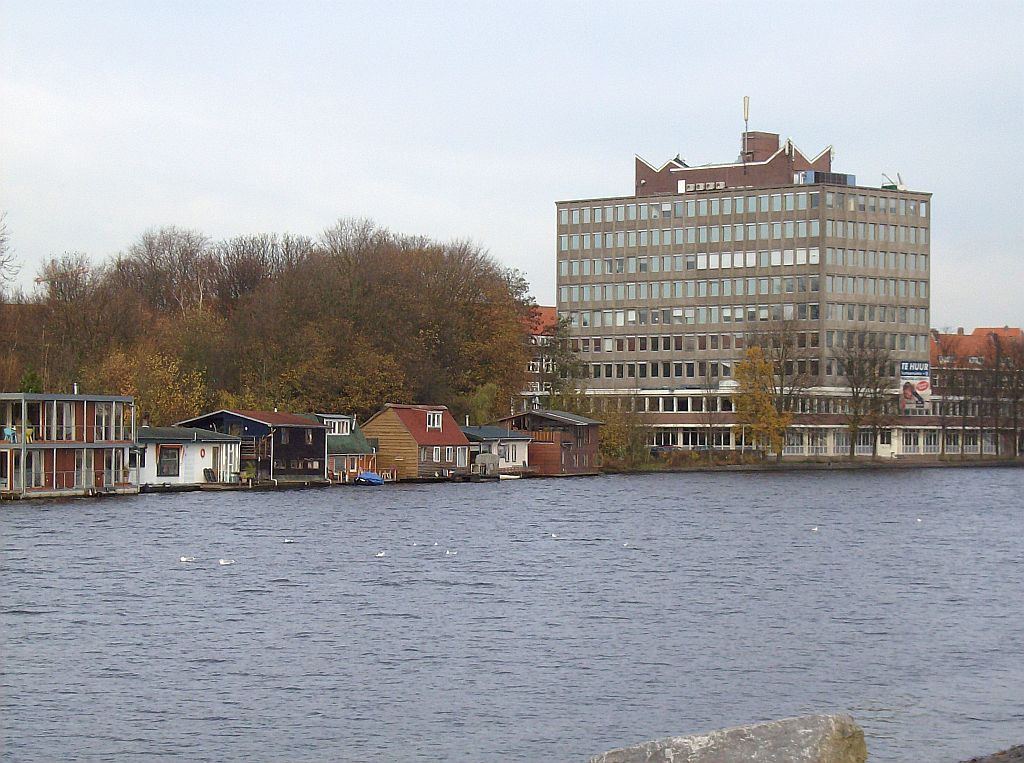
(415, 543)
(225, 561)
(449, 552)
(188, 559)
(379, 555)
(435, 542)
(814, 529)
(554, 535)
(624, 545)
(288, 540)
(919, 519)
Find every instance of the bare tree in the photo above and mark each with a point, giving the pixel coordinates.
(171, 268)
(946, 378)
(8, 267)
(870, 379)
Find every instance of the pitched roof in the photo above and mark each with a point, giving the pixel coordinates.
(478, 434)
(977, 344)
(181, 434)
(348, 444)
(562, 417)
(414, 419)
(270, 418)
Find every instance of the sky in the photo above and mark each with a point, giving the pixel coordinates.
(469, 120)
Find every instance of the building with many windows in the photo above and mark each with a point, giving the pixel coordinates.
(663, 287)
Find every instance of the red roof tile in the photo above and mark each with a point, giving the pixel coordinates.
(964, 346)
(414, 418)
(543, 321)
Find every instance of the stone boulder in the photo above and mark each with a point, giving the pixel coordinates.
(807, 739)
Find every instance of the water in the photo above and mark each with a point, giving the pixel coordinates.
(667, 604)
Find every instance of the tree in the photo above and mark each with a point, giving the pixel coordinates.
(758, 402)
(563, 373)
(8, 267)
(172, 269)
(784, 371)
(164, 392)
(868, 370)
(31, 382)
(624, 435)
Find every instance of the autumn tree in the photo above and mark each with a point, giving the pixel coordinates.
(757, 400)
(164, 393)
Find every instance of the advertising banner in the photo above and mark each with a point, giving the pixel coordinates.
(915, 384)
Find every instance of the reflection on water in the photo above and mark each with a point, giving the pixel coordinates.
(533, 620)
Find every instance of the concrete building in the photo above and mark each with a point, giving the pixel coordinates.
(662, 287)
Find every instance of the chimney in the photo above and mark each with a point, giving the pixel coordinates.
(74, 388)
(960, 331)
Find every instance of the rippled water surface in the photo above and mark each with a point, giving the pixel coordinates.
(535, 620)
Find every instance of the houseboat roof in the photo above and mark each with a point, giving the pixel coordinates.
(351, 444)
(43, 397)
(562, 417)
(413, 418)
(479, 434)
(270, 418)
(181, 434)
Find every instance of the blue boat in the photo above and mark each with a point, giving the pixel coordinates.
(368, 478)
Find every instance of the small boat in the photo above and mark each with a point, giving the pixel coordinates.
(510, 476)
(368, 478)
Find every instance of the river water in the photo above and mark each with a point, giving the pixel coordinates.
(534, 620)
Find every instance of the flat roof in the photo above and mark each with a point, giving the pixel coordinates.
(42, 397)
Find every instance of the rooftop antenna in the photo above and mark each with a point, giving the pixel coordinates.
(746, 129)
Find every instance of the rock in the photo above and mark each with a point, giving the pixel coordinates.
(1013, 755)
(807, 739)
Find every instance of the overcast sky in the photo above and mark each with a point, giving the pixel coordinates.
(469, 120)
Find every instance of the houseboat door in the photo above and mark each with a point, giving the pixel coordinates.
(218, 467)
(16, 484)
(108, 467)
(461, 456)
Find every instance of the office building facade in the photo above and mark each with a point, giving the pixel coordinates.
(663, 288)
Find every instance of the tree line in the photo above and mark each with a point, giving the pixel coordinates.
(344, 322)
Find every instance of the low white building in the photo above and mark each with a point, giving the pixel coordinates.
(186, 456)
(511, 448)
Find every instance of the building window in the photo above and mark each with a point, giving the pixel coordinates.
(168, 461)
(284, 436)
(437, 455)
(433, 419)
(449, 454)
(309, 437)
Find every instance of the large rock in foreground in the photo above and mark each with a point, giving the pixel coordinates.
(808, 739)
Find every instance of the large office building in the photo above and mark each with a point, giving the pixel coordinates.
(663, 287)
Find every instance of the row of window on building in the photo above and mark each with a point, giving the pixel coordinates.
(727, 287)
(677, 342)
(714, 234)
(759, 204)
(692, 315)
(684, 343)
(841, 311)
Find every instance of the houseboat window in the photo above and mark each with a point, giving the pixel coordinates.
(168, 461)
(344, 426)
(433, 420)
(449, 454)
(437, 455)
(284, 436)
(309, 437)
